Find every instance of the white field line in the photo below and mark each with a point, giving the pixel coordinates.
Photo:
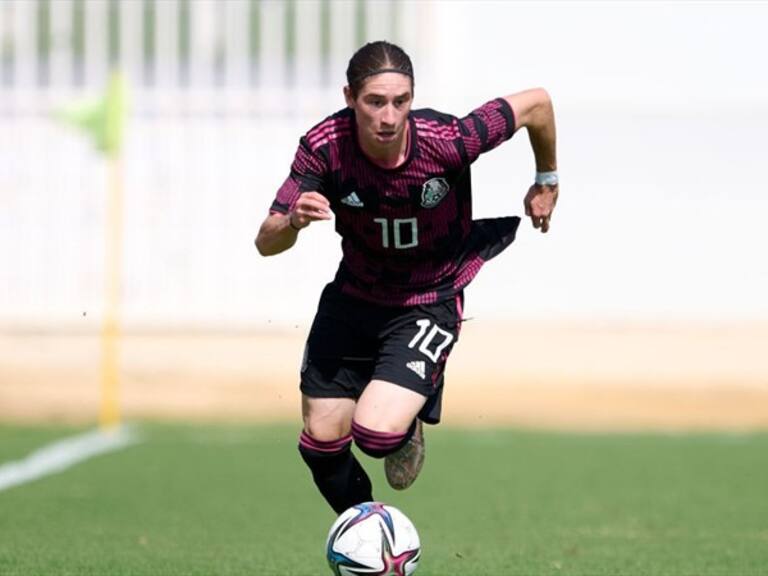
(64, 454)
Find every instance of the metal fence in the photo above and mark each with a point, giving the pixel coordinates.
(191, 46)
(219, 93)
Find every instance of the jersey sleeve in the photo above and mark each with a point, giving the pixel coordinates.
(486, 127)
(308, 172)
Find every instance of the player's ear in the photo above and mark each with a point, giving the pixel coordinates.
(348, 97)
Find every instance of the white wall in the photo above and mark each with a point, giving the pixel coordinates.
(662, 109)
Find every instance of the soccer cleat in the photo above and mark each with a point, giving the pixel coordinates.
(403, 467)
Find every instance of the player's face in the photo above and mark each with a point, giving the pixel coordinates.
(381, 110)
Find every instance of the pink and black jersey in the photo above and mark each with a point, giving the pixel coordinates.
(407, 233)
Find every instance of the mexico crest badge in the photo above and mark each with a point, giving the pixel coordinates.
(433, 192)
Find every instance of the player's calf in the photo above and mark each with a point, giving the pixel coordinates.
(337, 473)
(403, 467)
(403, 453)
(379, 444)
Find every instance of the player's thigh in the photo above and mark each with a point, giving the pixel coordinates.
(388, 407)
(416, 343)
(327, 419)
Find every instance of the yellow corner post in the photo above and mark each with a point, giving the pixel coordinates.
(109, 411)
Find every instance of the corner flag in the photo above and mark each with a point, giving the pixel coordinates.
(101, 119)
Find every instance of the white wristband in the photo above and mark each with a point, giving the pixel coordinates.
(547, 178)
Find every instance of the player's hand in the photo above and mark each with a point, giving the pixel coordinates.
(309, 207)
(539, 204)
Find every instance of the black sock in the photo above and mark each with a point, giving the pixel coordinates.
(338, 475)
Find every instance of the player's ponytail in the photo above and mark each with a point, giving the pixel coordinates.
(376, 58)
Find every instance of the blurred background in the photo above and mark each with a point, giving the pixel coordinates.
(644, 306)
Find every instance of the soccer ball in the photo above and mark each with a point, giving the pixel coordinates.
(375, 539)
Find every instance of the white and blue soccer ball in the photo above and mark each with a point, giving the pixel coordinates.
(373, 539)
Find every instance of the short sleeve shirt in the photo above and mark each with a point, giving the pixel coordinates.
(407, 233)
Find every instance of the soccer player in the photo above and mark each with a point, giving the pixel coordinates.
(397, 181)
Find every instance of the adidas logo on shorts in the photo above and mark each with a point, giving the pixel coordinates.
(418, 367)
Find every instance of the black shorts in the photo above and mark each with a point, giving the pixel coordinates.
(353, 342)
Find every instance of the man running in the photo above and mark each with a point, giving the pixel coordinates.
(397, 181)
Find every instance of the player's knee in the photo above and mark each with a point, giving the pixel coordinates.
(325, 429)
(378, 444)
(312, 448)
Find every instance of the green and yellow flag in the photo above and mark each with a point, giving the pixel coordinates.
(101, 119)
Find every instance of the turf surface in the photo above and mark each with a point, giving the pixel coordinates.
(236, 500)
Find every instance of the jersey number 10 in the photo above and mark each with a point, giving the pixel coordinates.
(404, 232)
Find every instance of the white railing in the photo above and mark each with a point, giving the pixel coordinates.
(193, 47)
(209, 139)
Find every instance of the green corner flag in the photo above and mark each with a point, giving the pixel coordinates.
(101, 119)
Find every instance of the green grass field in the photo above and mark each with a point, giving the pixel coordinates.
(237, 500)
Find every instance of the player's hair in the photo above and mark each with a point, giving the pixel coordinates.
(376, 58)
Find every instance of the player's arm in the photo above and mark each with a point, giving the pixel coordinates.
(533, 110)
(278, 232)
